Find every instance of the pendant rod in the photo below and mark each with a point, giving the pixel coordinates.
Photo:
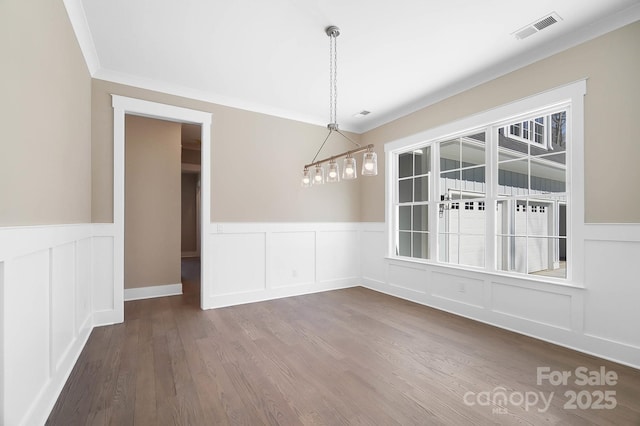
(322, 146)
(344, 154)
(348, 138)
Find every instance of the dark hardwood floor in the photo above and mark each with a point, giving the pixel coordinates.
(351, 356)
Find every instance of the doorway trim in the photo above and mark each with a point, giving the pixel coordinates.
(121, 107)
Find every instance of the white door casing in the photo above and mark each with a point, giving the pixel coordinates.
(122, 106)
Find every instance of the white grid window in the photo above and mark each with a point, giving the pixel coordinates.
(413, 202)
(497, 198)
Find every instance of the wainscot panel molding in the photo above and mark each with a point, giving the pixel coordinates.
(598, 318)
(45, 315)
(107, 276)
(252, 262)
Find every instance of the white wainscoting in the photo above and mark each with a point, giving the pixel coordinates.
(58, 282)
(45, 315)
(251, 262)
(601, 319)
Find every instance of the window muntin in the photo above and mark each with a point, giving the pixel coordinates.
(412, 206)
(461, 227)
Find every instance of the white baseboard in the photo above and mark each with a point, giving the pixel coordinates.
(233, 299)
(138, 293)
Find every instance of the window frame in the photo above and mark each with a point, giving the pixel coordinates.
(569, 97)
(413, 204)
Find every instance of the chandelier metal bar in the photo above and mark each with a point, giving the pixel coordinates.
(344, 154)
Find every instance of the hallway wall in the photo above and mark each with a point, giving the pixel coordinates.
(152, 202)
(189, 233)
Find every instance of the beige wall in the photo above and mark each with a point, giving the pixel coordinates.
(256, 163)
(152, 202)
(45, 87)
(612, 125)
(188, 217)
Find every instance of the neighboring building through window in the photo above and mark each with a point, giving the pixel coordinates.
(461, 231)
(544, 132)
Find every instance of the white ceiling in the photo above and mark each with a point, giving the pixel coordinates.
(273, 56)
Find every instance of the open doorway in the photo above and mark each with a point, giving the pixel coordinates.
(162, 209)
(190, 212)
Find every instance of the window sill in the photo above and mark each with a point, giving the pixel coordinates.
(561, 282)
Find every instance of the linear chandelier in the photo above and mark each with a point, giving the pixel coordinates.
(314, 172)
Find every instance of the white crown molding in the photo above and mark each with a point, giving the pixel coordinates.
(80, 26)
(589, 32)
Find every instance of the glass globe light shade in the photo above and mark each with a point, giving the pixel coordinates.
(318, 175)
(333, 173)
(370, 164)
(349, 168)
(306, 178)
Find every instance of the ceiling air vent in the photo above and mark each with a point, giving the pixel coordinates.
(536, 26)
(362, 113)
